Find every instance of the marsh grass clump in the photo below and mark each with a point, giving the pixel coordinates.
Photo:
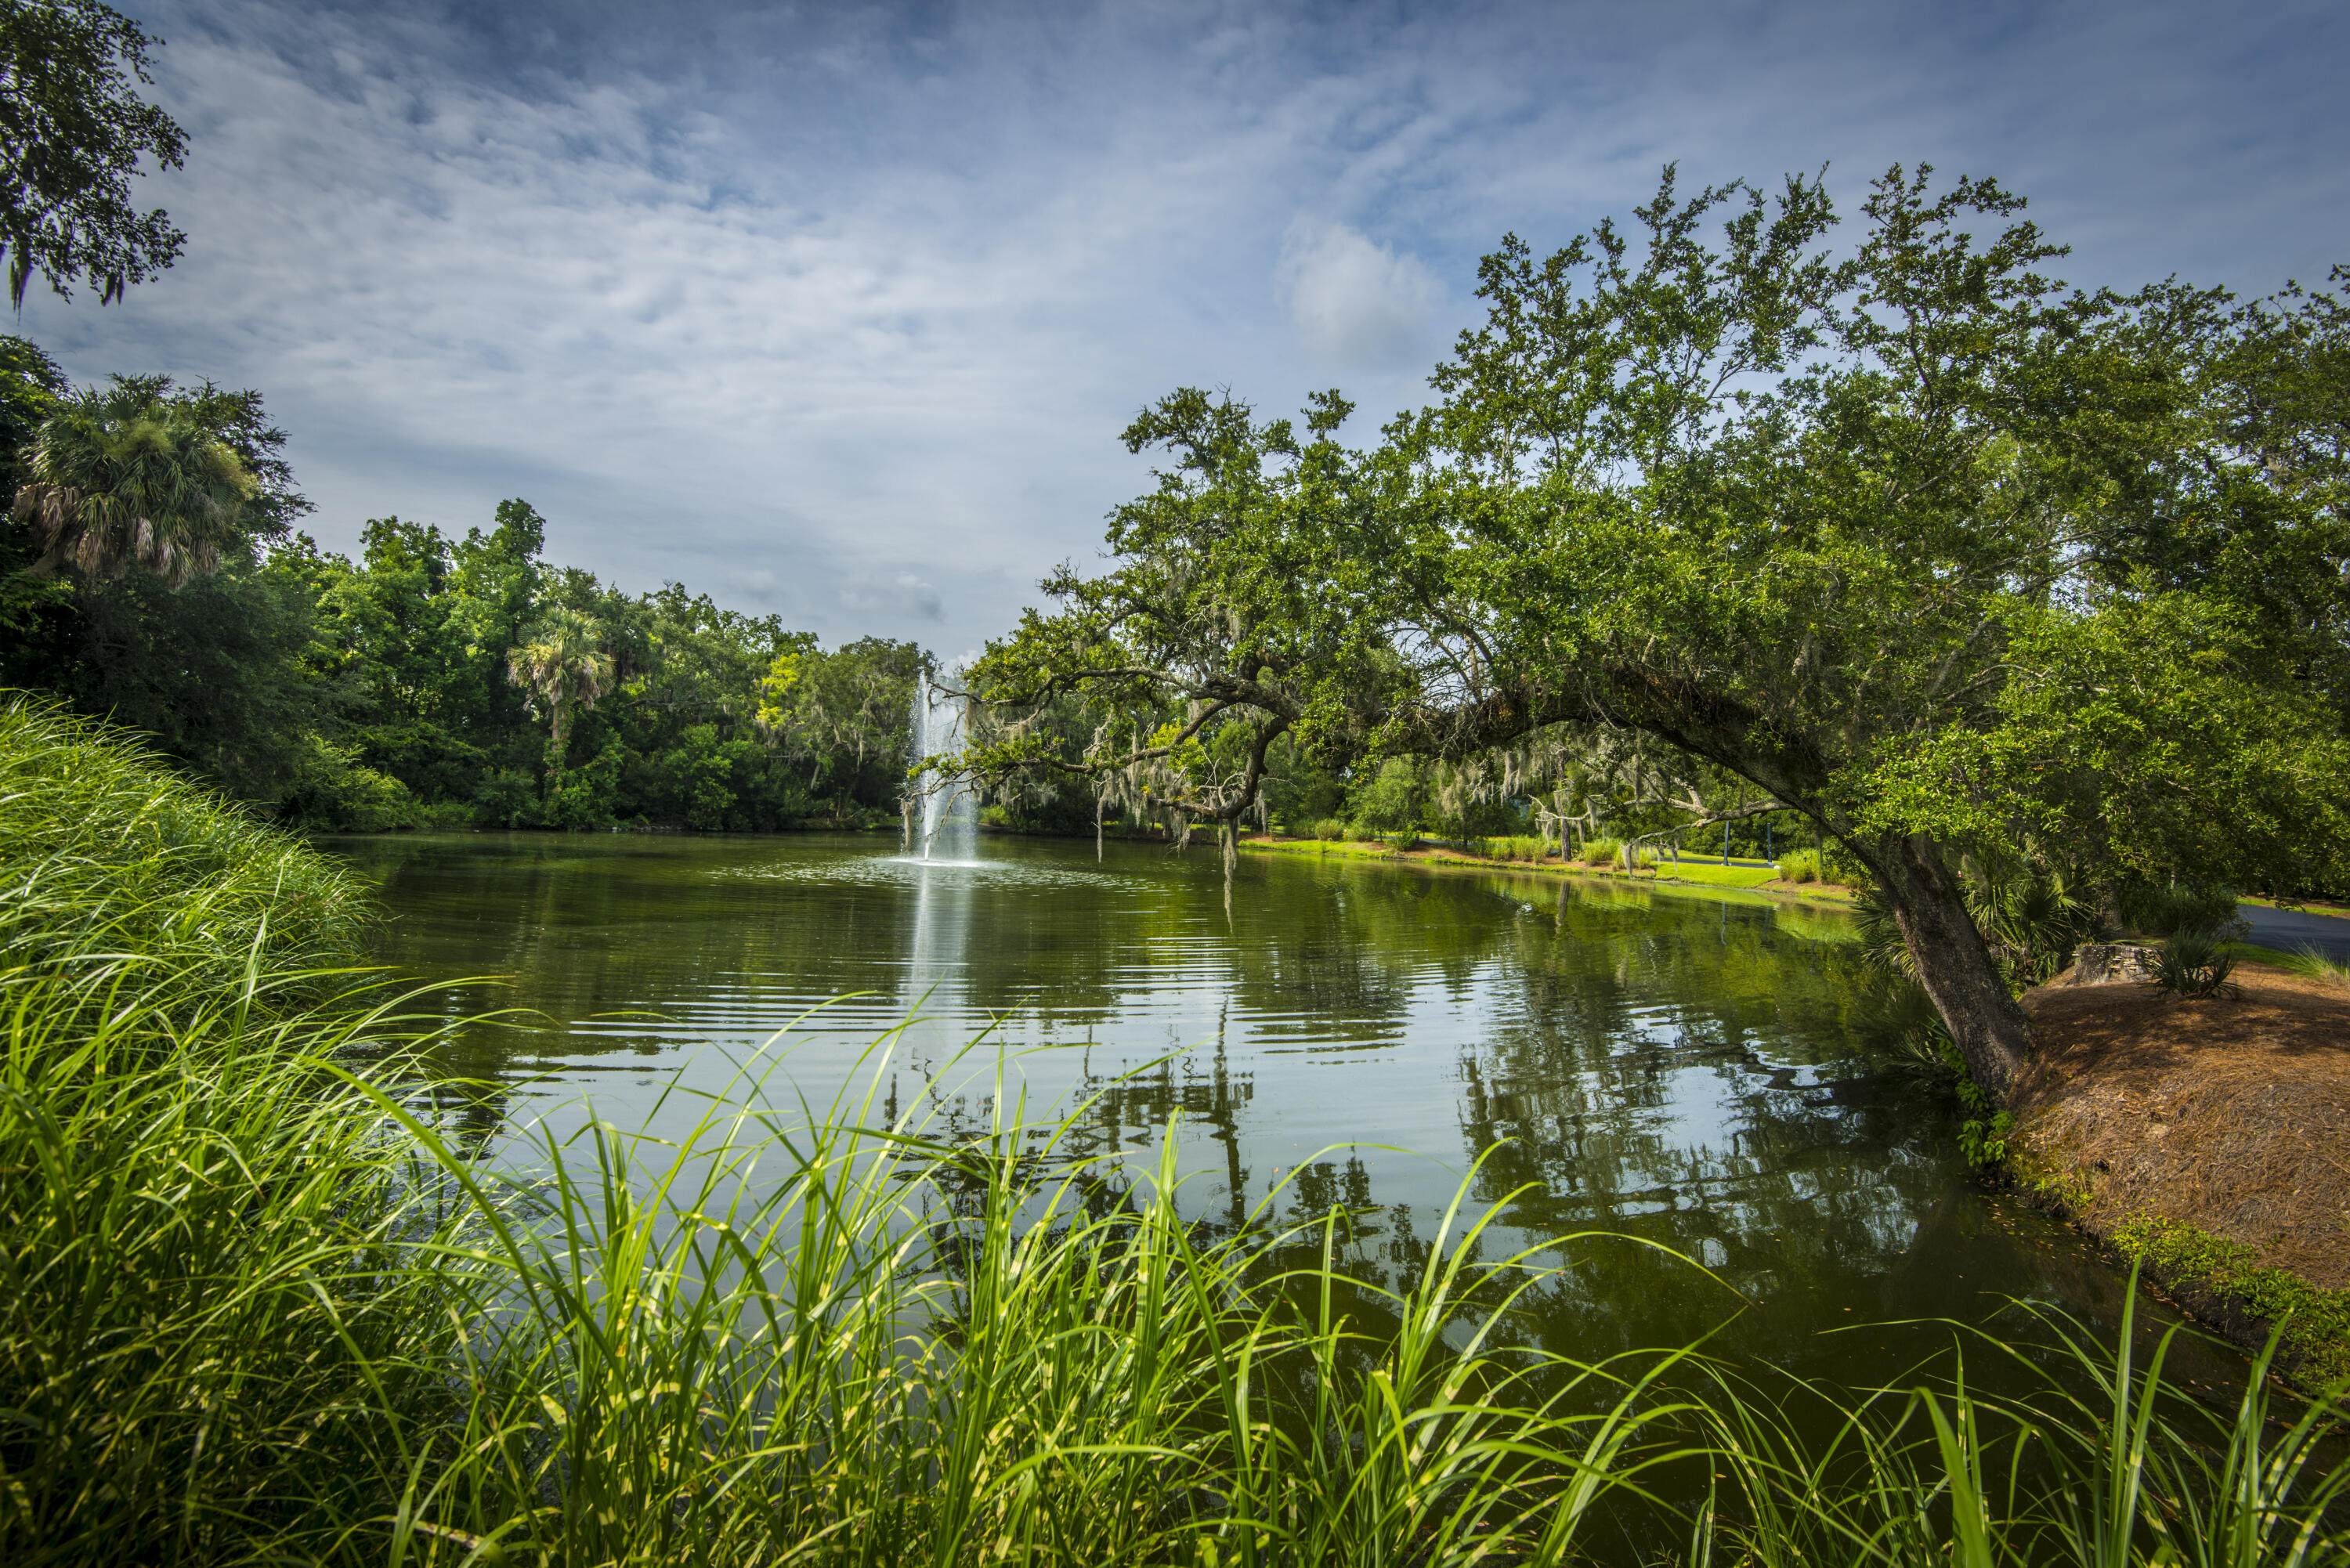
(220, 1332)
(2314, 963)
(142, 889)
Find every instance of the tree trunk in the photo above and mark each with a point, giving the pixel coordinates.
(1993, 1034)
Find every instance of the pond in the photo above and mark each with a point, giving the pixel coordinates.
(1706, 1075)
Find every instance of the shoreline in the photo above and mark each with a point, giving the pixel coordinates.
(2191, 1138)
(1828, 894)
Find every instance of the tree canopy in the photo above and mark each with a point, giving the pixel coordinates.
(126, 477)
(72, 132)
(1910, 539)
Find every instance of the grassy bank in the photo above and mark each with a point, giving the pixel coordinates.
(257, 1307)
(1691, 873)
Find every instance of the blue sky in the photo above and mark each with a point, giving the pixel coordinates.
(836, 311)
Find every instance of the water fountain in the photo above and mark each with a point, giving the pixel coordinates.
(950, 810)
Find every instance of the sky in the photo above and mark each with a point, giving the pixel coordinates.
(836, 311)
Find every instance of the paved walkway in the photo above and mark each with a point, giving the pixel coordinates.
(2294, 929)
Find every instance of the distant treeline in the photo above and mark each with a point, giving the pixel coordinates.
(429, 681)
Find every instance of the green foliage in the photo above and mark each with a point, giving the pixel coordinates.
(466, 682)
(562, 661)
(843, 715)
(216, 673)
(134, 885)
(1393, 800)
(1330, 829)
(1299, 788)
(333, 789)
(74, 129)
(1984, 1131)
(2314, 1325)
(1603, 851)
(1802, 865)
(127, 478)
(2191, 965)
(2179, 908)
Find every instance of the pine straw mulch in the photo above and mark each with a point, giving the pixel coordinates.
(2229, 1114)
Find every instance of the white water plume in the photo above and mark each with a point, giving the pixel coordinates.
(948, 807)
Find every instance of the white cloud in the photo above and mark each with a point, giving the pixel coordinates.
(1356, 304)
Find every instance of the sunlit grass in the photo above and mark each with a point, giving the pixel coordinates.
(2313, 963)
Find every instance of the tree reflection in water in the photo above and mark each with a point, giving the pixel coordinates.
(1706, 1075)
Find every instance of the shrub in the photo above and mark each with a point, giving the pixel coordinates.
(1517, 847)
(1401, 840)
(2183, 907)
(1800, 866)
(1602, 851)
(1330, 830)
(2193, 964)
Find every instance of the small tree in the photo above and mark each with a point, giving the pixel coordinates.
(563, 663)
(124, 478)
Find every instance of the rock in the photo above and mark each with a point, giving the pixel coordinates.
(2108, 964)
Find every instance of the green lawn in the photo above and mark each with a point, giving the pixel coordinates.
(1699, 873)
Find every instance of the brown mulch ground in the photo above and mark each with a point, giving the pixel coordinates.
(2232, 1115)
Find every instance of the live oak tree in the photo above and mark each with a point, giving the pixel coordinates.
(1911, 541)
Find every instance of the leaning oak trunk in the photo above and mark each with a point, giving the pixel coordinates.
(1953, 965)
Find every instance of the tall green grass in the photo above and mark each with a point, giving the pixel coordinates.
(256, 1305)
(148, 889)
(2313, 962)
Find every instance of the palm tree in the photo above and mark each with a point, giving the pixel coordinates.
(123, 478)
(563, 662)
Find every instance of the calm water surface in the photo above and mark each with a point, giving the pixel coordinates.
(1701, 1074)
